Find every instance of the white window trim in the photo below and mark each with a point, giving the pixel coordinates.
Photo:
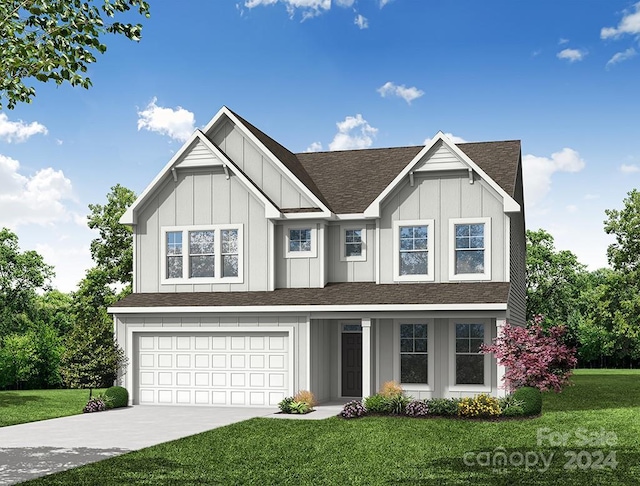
(185, 254)
(313, 253)
(486, 387)
(343, 244)
(430, 354)
(429, 277)
(487, 249)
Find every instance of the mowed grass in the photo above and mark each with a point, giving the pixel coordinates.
(19, 407)
(589, 434)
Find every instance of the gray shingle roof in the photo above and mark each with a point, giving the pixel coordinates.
(344, 293)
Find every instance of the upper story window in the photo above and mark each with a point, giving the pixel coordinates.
(300, 242)
(353, 244)
(202, 254)
(413, 250)
(470, 241)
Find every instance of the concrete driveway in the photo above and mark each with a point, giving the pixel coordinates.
(39, 448)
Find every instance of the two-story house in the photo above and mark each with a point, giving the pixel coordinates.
(259, 272)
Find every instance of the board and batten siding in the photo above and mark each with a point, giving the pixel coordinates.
(305, 272)
(202, 197)
(351, 271)
(442, 197)
(259, 168)
(220, 323)
(323, 359)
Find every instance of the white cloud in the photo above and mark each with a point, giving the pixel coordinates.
(538, 171)
(621, 56)
(70, 261)
(629, 168)
(450, 136)
(309, 8)
(572, 55)
(563, 41)
(591, 197)
(384, 2)
(314, 147)
(630, 24)
(178, 124)
(345, 3)
(19, 131)
(361, 22)
(353, 133)
(38, 198)
(408, 94)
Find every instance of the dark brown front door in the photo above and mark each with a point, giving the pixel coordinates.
(351, 364)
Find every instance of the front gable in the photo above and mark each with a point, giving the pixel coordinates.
(439, 155)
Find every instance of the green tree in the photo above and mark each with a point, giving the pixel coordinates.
(17, 357)
(112, 251)
(54, 307)
(21, 275)
(553, 279)
(624, 224)
(92, 357)
(56, 40)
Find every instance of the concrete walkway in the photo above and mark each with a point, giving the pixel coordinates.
(39, 448)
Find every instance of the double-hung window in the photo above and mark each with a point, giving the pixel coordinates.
(470, 241)
(413, 250)
(470, 364)
(414, 353)
(202, 254)
(353, 242)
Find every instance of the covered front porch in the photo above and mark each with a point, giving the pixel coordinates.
(430, 354)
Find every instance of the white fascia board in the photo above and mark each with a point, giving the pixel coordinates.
(509, 204)
(128, 217)
(310, 215)
(271, 211)
(351, 216)
(297, 182)
(307, 308)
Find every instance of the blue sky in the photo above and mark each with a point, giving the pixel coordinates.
(560, 75)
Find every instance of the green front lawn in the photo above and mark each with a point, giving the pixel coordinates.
(19, 407)
(595, 423)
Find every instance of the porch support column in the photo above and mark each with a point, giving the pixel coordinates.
(502, 390)
(366, 357)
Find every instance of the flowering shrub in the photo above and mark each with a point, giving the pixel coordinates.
(95, 404)
(353, 409)
(481, 405)
(417, 408)
(534, 357)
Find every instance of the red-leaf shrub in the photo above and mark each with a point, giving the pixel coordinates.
(534, 356)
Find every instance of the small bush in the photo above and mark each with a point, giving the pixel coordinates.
(531, 399)
(390, 388)
(300, 407)
(95, 404)
(445, 407)
(285, 405)
(482, 405)
(417, 408)
(116, 396)
(305, 397)
(353, 409)
(376, 404)
(511, 406)
(396, 404)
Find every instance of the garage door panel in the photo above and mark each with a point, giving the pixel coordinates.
(214, 369)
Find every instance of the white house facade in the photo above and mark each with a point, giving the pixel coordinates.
(259, 272)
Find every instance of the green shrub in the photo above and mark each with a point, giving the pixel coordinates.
(482, 405)
(396, 404)
(116, 396)
(285, 405)
(443, 406)
(511, 406)
(376, 404)
(300, 407)
(531, 399)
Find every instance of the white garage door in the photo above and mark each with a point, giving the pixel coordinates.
(213, 368)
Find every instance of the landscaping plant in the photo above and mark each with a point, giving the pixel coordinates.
(533, 356)
(118, 397)
(482, 405)
(95, 404)
(353, 409)
(531, 399)
(417, 408)
(376, 404)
